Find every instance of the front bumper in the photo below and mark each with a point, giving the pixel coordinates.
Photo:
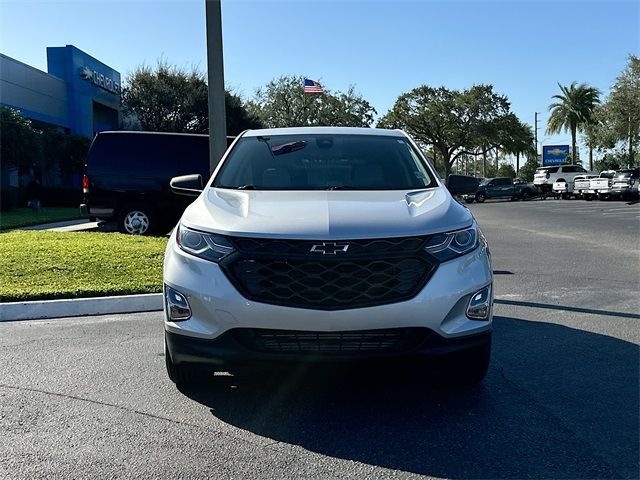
(622, 189)
(227, 350)
(218, 309)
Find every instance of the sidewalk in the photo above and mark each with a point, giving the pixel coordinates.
(78, 225)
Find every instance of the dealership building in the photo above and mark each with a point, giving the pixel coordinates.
(78, 94)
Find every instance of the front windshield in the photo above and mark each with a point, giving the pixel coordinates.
(324, 162)
(485, 181)
(624, 174)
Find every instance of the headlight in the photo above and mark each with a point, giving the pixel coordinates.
(445, 246)
(209, 246)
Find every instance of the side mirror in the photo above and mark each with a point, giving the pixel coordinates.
(462, 184)
(190, 185)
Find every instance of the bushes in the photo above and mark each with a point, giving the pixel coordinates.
(54, 158)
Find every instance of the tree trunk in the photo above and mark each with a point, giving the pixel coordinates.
(517, 163)
(446, 160)
(484, 163)
(590, 158)
(573, 145)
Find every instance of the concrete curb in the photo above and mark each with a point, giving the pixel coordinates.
(78, 307)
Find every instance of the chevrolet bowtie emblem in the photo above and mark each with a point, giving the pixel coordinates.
(329, 248)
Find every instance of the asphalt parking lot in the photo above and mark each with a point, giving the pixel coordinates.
(89, 397)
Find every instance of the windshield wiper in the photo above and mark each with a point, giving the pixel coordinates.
(246, 187)
(288, 147)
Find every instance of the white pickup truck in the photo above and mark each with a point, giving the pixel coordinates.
(581, 185)
(601, 186)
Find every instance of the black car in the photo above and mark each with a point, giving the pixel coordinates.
(502, 187)
(128, 173)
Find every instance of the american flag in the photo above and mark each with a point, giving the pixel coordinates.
(312, 87)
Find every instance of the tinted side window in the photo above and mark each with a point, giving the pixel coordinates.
(506, 182)
(149, 156)
(553, 169)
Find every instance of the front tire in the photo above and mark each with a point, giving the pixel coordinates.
(525, 195)
(480, 197)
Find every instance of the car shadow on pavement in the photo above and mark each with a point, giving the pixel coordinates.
(557, 403)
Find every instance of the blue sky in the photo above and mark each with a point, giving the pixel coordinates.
(384, 48)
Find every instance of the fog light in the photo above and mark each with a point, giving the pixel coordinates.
(177, 305)
(479, 307)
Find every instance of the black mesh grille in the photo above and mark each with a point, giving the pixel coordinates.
(294, 273)
(392, 340)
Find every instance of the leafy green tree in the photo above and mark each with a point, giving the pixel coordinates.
(474, 122)
(610, 162)
(529, 169)
(63, 156)
(169, 99)
(572, 111)
(506, 170)
(20, 143)
(283, 103)
(622, 108)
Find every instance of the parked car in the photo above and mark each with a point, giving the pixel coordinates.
(581, 185)
(600, 186)
(545, 177)
(626, 183)
(128, 173)
(325, 244)
(501, 187)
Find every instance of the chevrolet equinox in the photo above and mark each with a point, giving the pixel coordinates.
(325, 244)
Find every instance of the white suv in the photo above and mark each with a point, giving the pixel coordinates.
(545, 177)
(325, 244)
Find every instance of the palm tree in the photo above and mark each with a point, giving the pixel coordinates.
(572, 111)
(521, 141)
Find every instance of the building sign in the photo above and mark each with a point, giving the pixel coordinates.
(554, 154)
(99, 80)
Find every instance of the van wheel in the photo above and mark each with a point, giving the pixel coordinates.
(136, 219)
(480, 197)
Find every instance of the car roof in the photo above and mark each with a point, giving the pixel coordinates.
(141, 132)
(324, 131)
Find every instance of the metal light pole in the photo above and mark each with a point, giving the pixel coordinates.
(535, 129)
(215, 74)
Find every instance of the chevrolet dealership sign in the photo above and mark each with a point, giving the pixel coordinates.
(99, 80)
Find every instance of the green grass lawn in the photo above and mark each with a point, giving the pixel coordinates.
(36, 265)
(24, 217)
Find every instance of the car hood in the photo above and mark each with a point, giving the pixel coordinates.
(326, 215)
